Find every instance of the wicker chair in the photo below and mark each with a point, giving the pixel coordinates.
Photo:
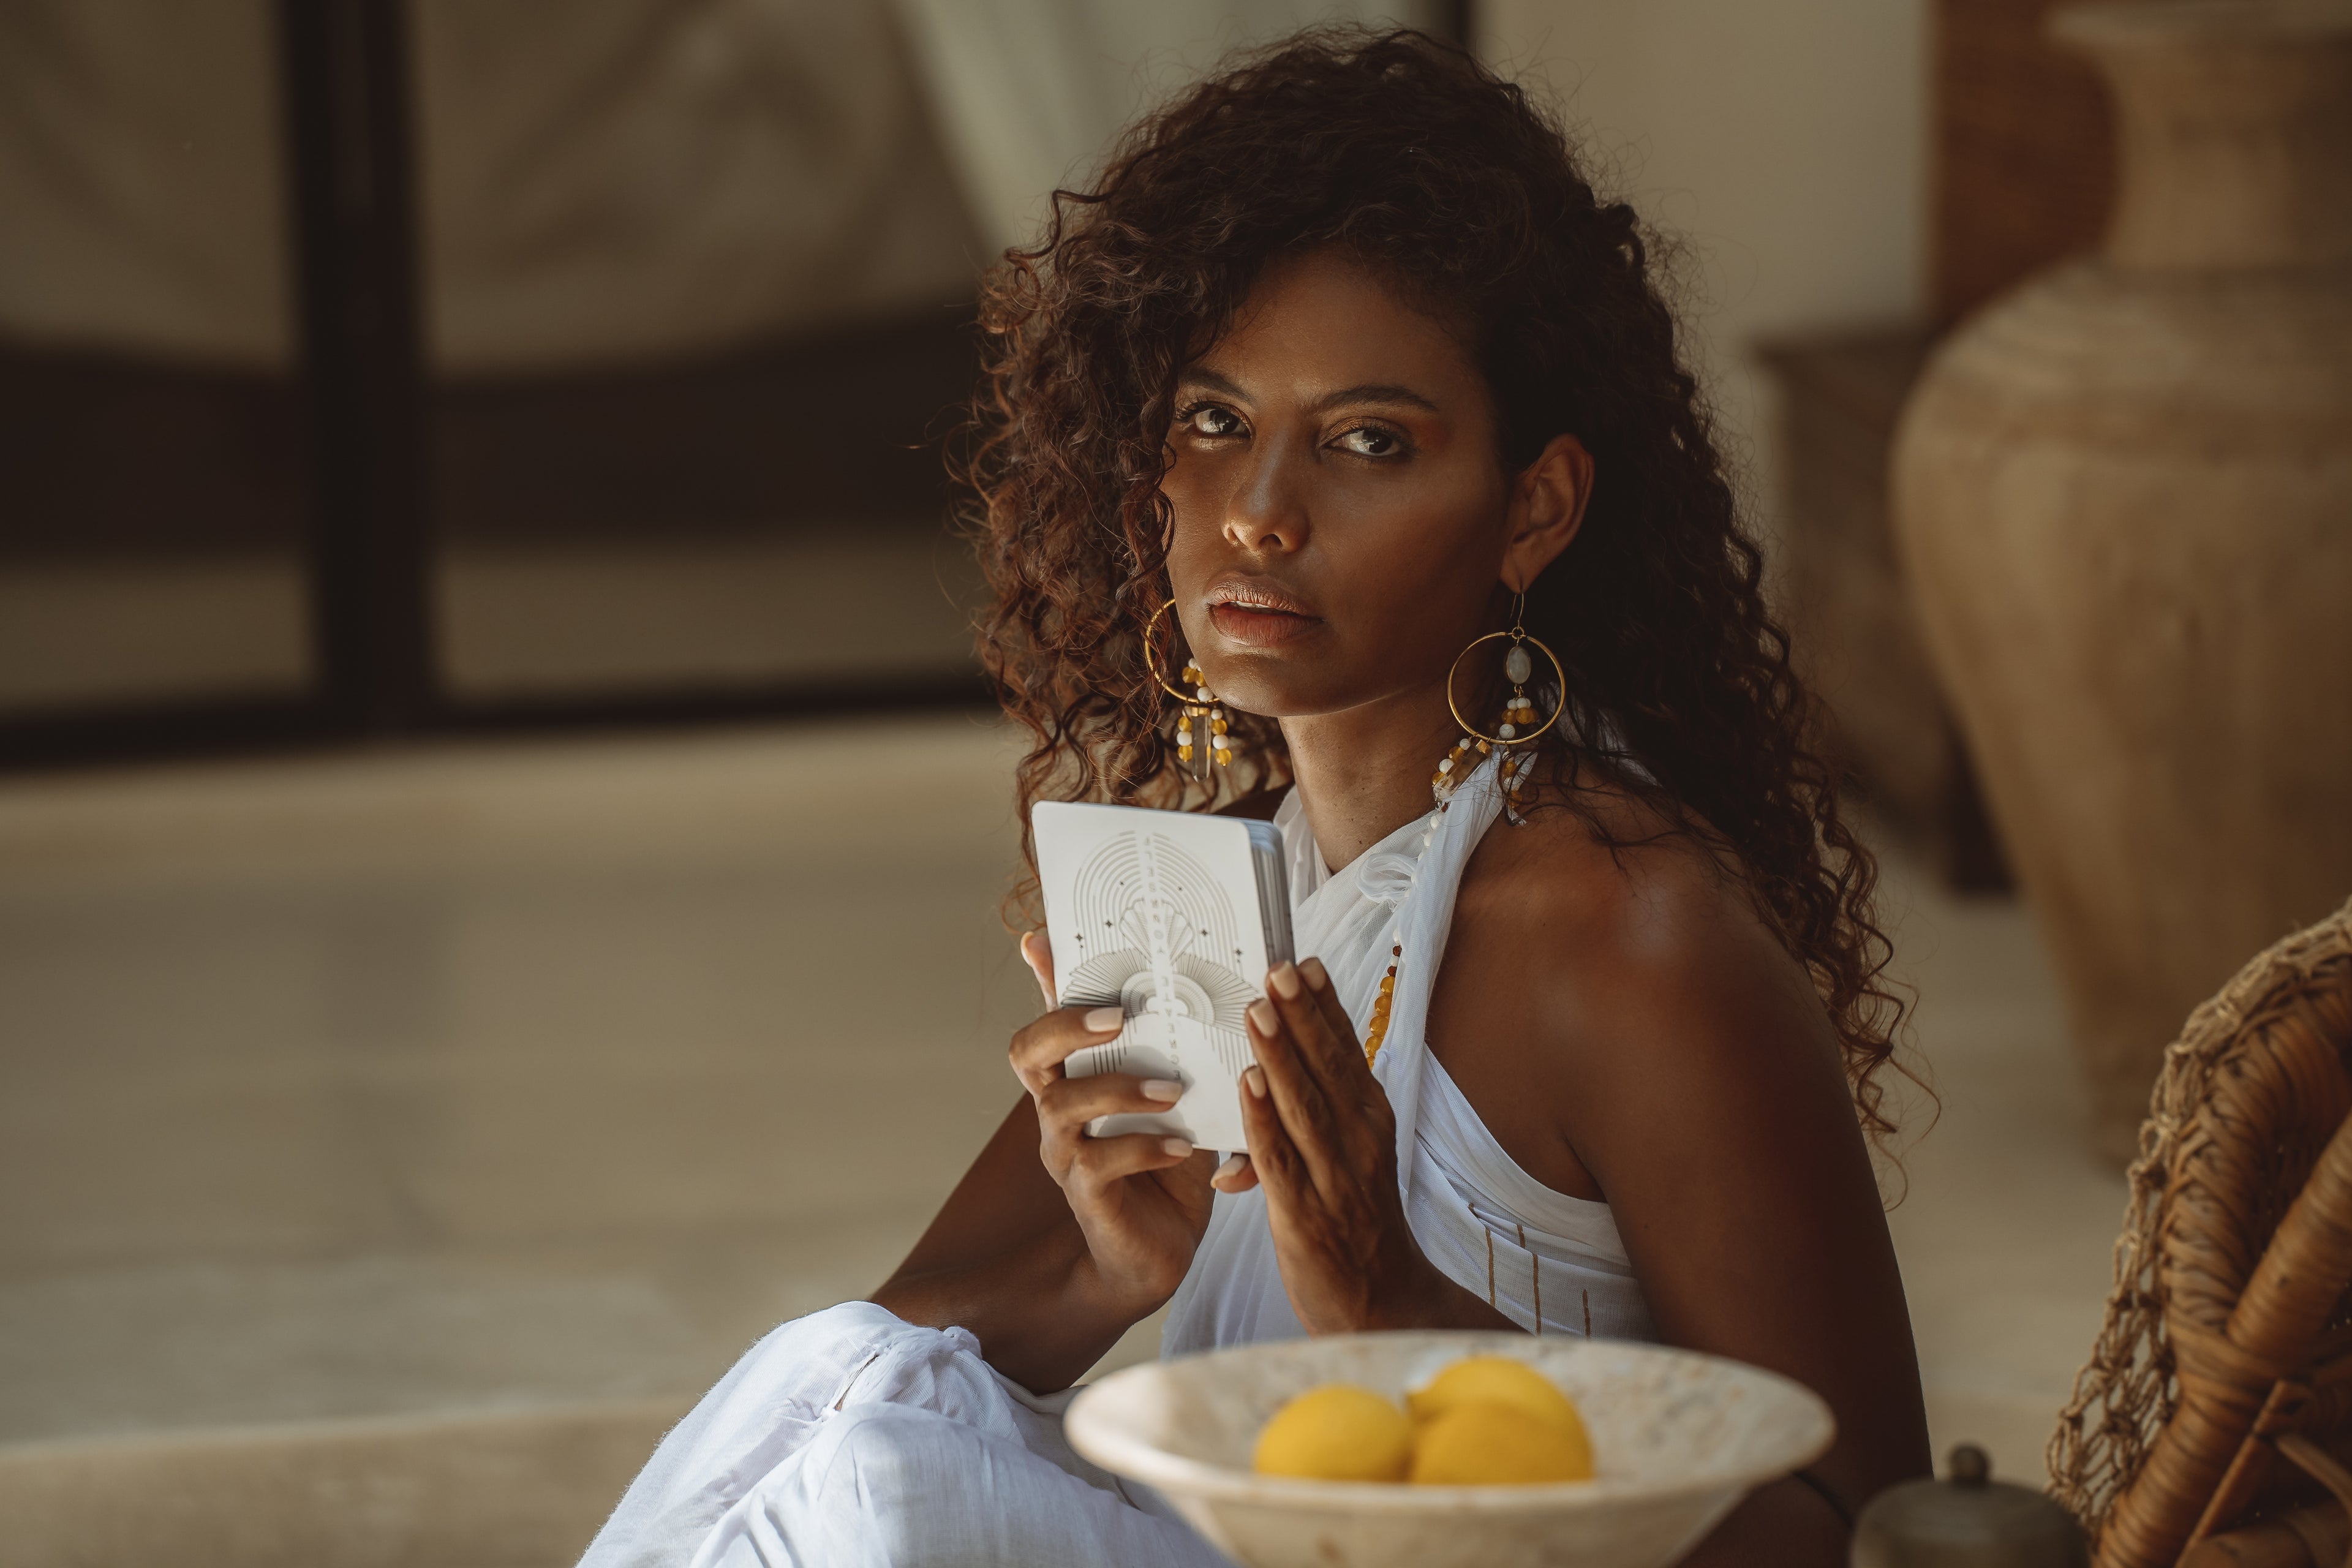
(2212, 1422)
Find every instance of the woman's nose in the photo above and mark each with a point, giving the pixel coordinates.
(1267, 510)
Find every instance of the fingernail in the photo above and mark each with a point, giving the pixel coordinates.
(1162, 1089)
(1175, 1148)
(1255, 1079)
(1317, 976)
(1234, 1165)
(1285, 982)
(1099, 1019)
(1263, 1015)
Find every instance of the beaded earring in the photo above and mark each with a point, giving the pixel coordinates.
(1518, 728)
(1201, 729)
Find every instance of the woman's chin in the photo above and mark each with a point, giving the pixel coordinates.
(1264, 688)
(1306, 672)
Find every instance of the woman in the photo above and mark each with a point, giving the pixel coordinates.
(1344, 357)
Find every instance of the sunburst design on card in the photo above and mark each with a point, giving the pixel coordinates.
(1159, 939)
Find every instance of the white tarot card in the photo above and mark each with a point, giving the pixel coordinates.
(1175, 917)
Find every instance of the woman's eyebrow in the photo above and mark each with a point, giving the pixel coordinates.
(1369, 392)
(1376, 392)
(1210, 381)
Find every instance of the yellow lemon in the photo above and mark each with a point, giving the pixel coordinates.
(1484, 1444)
(1497, 1379)
(1336, 1433)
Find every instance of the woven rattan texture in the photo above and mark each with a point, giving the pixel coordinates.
(2235, 1252)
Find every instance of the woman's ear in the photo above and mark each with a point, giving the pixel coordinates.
(1546, 508)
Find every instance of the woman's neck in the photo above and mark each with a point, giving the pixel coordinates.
(1364, 773)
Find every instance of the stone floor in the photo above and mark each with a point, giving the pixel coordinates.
(514, 1089)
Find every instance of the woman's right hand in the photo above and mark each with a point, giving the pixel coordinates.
(1141, 1200)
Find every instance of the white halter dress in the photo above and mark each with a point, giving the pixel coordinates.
(850, 1439)
(1548, 1262)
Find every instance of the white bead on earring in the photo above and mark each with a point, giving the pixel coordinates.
(1519, 727)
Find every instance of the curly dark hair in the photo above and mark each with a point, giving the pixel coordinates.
(1420, 165)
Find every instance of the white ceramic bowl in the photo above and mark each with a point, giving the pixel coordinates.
(1677, 1439)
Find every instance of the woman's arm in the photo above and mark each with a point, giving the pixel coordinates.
(1054, 1244)
(1698, 1081)
(1005, 1259)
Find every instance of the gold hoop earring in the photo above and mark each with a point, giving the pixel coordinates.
(1519, 727)
(1200, 715)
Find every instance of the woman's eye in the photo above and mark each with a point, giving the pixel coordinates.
(1371, 441)
(1208, 419)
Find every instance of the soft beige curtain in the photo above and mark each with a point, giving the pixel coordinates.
(612, 179)
(601, 180)
(1030, 92)
(140, 187)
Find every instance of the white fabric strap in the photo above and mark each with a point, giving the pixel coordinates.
(1424, 921)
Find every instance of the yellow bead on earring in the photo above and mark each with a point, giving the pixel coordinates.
(1200, 727)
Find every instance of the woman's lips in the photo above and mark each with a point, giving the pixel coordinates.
(1260, 626)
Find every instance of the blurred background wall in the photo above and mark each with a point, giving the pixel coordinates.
(1841, 181)
(370, 365)
(430, 364)
(1785, 147)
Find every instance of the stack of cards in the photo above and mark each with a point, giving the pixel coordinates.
(1175, 918)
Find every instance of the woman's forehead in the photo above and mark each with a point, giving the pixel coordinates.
(1323, 320)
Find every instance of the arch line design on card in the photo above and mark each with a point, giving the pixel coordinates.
(1160, 939)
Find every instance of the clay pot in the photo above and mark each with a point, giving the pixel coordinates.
(2124, 493)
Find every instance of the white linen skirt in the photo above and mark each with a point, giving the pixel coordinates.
(850, 1439)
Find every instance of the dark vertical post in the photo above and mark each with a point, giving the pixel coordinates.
(345, 64)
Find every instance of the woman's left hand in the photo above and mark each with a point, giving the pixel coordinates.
(1322, 1140)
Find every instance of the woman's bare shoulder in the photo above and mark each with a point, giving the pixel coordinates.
(1604, 879)
(1641, 947)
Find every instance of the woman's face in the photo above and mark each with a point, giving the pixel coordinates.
(1341, 512)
